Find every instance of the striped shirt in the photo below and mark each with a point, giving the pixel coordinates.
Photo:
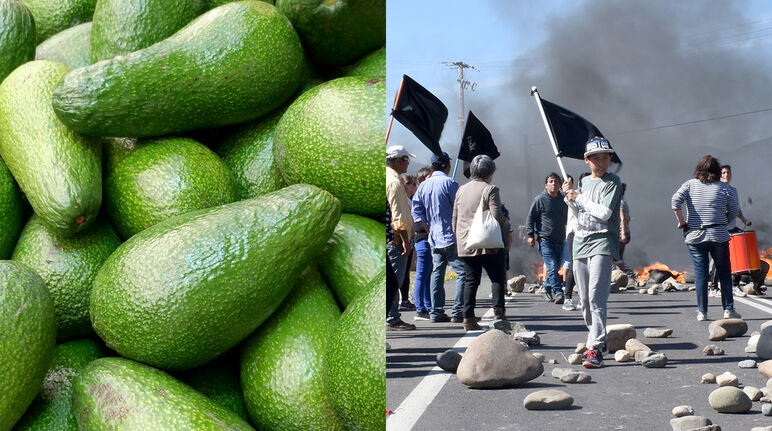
(709, 206)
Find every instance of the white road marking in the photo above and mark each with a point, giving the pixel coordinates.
(755, 302)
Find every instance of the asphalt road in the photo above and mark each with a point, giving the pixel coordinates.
(622, 396)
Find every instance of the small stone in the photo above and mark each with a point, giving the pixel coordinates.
(530, 338)
(502, 325)
(557, 372)
(516, 284)
(765, 399)
(574, 359)
(764, 344)
(688, 423)
(692, 288)
(622, 356)
(548, 399)
(765, 368)
(653, 290)
(448, 360)
(576, 377)
(642, 291)
(553, 361)
(634, 345)
(766, 392)
(765, 324)
(753, 393)
(766, 409)
(717, 333)
(580, 348)
(767, 428)
(658, 360)
(617, 335)
(729, 399)
(752, 343)
(643, 354)
(748, 363)
(657, 333)
(708, 378)
(769, 382)
(641, 283)
(619, 277)
(712, 350)
(683, 411)
(727, 379)
(539, 356)
(734, 327)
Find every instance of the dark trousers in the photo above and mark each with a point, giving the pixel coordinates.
(568, 290)
(404, 290)
(391, 284)
(496, 267)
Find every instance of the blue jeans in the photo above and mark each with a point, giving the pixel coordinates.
(552, 254)
(399, 263)
(441, 257)
(423, 269)
(720, 253)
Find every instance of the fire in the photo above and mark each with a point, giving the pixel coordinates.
(540, 271)
(766, 256)
(643, 273)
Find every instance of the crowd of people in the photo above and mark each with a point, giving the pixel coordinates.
(583, 228)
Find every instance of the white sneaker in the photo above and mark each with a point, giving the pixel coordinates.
(736, 291)
(701, 316)
(568, 305)
(714, 293)
(731, 314)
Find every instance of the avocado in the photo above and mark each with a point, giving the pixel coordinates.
(163, 178)
(69, 47)
(355, 363)
(372, 65)
(281, 364)
(337, 32)
(248, 152)
(17, 36)
(12, 210)
(68, 266)
(116, 149)
(332, 137)
(219, 381)
(121, 26)
(52, 408)
(117, 393)
(184, 291)
(353, 256)
(211, 4)
(53, 16)
(59, 170)
(28, 329)
(232, 64)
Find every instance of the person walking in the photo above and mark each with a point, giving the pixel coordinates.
(433, 210)
(710, 205)
(569, 283)
(423, 261)
(596, 242)
(410, 184)
(468, 199)
(624, 236)
(546, 226)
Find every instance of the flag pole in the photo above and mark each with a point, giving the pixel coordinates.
(396, 101)
(535, 94)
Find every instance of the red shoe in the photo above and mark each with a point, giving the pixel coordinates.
(593, 358)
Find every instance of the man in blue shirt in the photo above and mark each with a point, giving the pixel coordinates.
(433, 210)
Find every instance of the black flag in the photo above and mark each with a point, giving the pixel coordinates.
(421, 112)
(476, 140)
(571, 131)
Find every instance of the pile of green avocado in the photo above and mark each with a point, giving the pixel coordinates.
(192, 211)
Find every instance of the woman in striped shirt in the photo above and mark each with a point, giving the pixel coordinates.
(709, 204)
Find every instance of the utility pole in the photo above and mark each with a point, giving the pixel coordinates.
(462, 84)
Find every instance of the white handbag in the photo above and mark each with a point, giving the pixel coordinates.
(485, 231)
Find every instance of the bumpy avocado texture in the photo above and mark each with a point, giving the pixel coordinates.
(11, 208)
(69, 47)
(219, 381)
(17, 36)
(51, 16)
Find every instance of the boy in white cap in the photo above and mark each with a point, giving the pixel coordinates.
(596, 241)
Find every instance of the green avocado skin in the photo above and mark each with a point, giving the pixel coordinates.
(28, 336)
(51, 16)
(355, 364)
(282, 361)
(121, 26)
(232, 64)
(117, 393)
(372, 65)
(69, 47)
(332, 137)
(219, 381)
(184, 291)
(68, 265)
(59, 170)
(52, 408)
(17, 36)
(12, 210)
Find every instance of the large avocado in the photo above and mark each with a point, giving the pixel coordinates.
(219, 381)
(116, 393)
(234, 63)
(332, 137)
(53, 16)
(281, 365)
(182, 292)
(52, 408)
(162, 178)
(69, 47)
(121, 26)
(27, 338)
(372, 65)
(355, 363)
(17, 36)
(59, 170)
(337, 32)
(13, 213)
(68, 266)
(353, 256)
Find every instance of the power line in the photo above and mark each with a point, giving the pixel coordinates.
(685, 123)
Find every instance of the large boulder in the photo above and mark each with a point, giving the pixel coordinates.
(734, 327)
(617, 336)
(765, 368)
(729, 399)
(764, 345)
(494, 360)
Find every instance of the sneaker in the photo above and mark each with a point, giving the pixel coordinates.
(548, 297)
(456, 319)
(441, 318)
(423, 315)
(388, 346)
(406, 306)
(701, 316)
(731, 314)
(736, 291)
(568, 305)
(559, 299)
(714, 293)
(592, 358)
(399, 325)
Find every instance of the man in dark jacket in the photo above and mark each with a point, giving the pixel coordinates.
(546, 225)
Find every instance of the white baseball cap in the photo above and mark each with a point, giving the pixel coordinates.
(397, 151)
(597, 145)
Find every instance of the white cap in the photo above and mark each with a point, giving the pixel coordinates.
(397, 151)
(597, 145)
